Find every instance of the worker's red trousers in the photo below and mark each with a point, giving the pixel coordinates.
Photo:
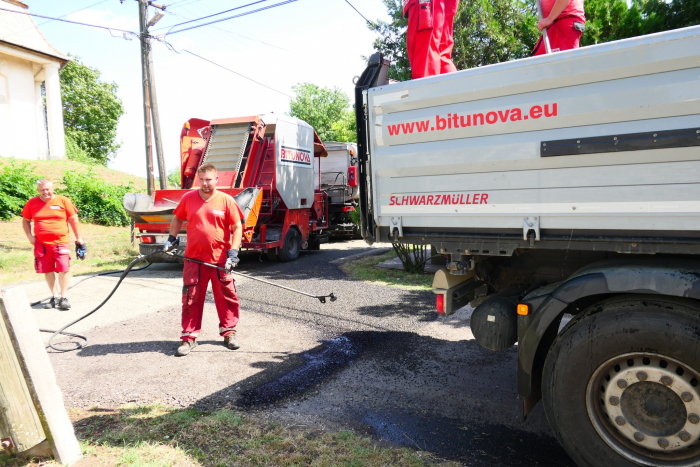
(430, 38)
(196, 278)
(562, 36)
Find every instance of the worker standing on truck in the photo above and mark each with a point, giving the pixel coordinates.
(51, 215)
(565, 21)
(430, 38)
(213, 236)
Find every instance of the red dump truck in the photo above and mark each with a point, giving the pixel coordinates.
(267, 163)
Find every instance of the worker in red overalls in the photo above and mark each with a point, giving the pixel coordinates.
(214, 236)
(565, 21)
(430, 38)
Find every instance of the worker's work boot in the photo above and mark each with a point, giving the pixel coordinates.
(185, 348)
(231, 342)
(51, 304)
(63, 304)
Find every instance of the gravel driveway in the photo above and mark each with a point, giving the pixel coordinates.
(378, 360)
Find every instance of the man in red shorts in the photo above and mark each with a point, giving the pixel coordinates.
(429, 37)
(214, 236)
(51, 215)
(565, 21)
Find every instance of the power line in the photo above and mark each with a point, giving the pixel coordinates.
(236, 73)
(257, 41)
(234, 16)
(62, 16)
(217, 14)
(358, 12)
(67, 21)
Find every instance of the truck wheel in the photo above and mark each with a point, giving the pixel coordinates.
(314, 245)
(621, 384)
(271, 255)
(289, 251)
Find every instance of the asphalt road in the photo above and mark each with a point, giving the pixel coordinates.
(378, 360)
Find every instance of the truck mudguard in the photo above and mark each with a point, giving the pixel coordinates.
(654, 276)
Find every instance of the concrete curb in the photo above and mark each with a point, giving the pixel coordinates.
(372, 252)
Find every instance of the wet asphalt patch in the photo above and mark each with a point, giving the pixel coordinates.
(318, 364)
(473, 443)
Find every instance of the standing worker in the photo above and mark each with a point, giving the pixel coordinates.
(565, 22)
(430, 38)
(213, 218)
(51, 215)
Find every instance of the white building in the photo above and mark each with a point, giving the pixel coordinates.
(28, 129)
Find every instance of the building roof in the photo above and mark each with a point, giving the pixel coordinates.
(19, 30)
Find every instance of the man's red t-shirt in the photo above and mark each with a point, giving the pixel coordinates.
(208, 224)
(50, 218)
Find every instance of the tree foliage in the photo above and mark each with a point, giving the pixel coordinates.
(327, 110)
(17, 187)
(493, 31)
(91, 110)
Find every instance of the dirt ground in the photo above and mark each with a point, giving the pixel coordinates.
(379, 360)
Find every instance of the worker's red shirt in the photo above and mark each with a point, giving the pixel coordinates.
(208, 224)
(574, 8)
(50, 218)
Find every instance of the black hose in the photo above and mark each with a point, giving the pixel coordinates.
(78, 345)
(88, 278)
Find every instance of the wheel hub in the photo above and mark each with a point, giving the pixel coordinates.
(649, 404)
(653, 409)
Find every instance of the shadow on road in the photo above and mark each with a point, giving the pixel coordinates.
(454, 399)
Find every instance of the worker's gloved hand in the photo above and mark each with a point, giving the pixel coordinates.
(231, 261)
(171, 243)
(80, 250)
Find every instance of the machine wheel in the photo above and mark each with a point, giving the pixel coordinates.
(621, 384)
(291, 247)
(314, 245)
(271, 255)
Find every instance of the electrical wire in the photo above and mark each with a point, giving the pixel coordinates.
(67, 21)
(62, 16)
(358, 12)
(217, 14)
(235, 72)
(234, 16)
(233, 34)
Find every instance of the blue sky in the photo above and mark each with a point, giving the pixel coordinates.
(317, 41)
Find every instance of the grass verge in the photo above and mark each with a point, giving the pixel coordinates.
(109, 248)
(54, 170)
(365, 269)
(158, 436)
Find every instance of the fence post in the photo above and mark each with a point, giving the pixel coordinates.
(31, 404)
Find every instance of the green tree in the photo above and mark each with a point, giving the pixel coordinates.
(327, 110)
(91, 110)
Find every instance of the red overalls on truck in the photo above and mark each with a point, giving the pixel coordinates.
(430, 38)
(208, 239)
(565, 31)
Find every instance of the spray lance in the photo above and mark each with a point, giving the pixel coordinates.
(61, 347)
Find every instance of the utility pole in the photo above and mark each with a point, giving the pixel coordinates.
(150, 101)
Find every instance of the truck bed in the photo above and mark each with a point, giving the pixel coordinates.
(594, 145)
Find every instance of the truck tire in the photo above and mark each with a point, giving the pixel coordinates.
(272, 255)
(620, 383)
(289, 251)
